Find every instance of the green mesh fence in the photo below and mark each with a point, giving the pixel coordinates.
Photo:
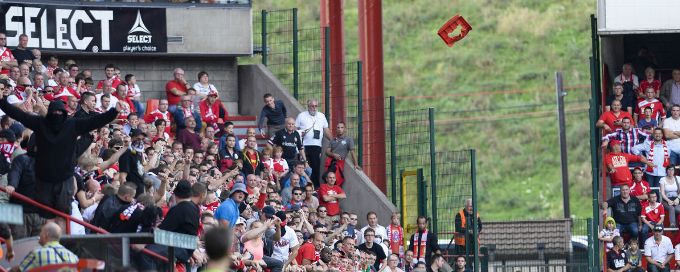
(453, 186)
(408, 150)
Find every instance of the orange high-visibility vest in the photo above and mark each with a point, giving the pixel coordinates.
(459, 238)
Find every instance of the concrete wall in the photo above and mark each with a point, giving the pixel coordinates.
(362, 195)
(214, 30)
(254, 81)
(154, 72)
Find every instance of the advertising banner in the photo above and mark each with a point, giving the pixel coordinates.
(85, 29)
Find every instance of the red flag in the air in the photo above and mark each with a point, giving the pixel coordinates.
(448, 28)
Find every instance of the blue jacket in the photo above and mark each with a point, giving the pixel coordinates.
(179, 119)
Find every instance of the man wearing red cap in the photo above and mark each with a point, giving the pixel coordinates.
(617, 164)
(212, 110)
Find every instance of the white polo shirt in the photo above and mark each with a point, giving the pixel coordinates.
(674, 125)
(659, 252)
(307, 124)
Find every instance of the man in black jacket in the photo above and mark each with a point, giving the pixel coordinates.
(182, 218)
(21, 178)
(424, 243)
(55, 138)
(110, 205)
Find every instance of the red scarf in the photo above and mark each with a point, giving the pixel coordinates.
(650, 156)
(420, 247)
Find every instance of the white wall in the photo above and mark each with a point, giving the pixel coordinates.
(634, 16)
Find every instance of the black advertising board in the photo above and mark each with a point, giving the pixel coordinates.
(85, 28)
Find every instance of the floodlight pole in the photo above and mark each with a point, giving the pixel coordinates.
(563, 142)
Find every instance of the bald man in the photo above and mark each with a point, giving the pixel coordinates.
(49, 252)
(176, 88)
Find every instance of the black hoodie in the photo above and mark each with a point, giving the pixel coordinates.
(56, 137)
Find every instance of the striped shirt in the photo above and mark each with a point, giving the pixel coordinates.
(628, 138)
(50, 253)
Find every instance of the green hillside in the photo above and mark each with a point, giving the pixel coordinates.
(493, 91)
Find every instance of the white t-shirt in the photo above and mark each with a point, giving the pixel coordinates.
(620, 79)
(660, 251)
(76, 229)
(114, 101)
(203, 91)
(283, 246)
(673, 125)
(307, 124)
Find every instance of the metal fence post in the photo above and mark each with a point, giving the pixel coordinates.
(264, 37)
(422, 195)
(591, 252)
(360, 116)
(327, 72)
(393, 151)
(296, 52)
(433, 169)
(594, 159)
(473, 175)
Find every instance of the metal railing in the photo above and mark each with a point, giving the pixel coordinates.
(70, 218)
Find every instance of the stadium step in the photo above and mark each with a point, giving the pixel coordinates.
(241, 126)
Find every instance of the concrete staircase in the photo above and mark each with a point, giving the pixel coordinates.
(241, 126)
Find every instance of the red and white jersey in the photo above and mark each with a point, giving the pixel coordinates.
(157, 114)
(133, 90)
(6, 55)
(63, 92)
(7, 149)
(657, 109)
(653, 212)
(115, 81)
(396, 236)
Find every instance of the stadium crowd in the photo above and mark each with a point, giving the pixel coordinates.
(641, 128)
(89, 148)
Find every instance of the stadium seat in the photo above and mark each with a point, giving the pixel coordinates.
(151, 105)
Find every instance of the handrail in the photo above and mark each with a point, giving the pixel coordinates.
(70, 218)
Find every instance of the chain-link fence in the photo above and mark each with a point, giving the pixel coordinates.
(409, 149)
(453, 187)
(292, 53)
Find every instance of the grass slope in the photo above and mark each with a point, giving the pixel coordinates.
(514, 45)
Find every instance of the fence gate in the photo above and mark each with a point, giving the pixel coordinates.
(413, 199)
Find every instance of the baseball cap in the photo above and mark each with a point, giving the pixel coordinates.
(658, 227)
(268, 212)
(212, 92)
(614, 142)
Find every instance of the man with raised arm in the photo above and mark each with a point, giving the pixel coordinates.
(56, 141)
